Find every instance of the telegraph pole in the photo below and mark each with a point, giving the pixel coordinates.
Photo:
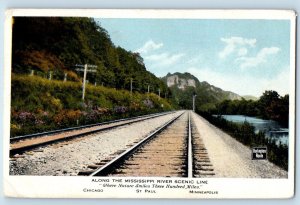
(159, 93)
(84, 68)
(84, 80)
(148, 88)
(50, 75)
(65, 78)
(194, 96)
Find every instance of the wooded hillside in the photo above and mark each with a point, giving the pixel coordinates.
(53, 46)
(57, 44)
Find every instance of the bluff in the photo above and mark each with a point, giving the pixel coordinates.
(184, 85)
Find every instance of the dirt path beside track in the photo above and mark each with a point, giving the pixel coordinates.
(230, 158)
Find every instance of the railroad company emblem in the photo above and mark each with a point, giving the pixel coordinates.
(259, 153)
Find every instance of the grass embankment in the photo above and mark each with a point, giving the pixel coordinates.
(245, 133)
(39, 104)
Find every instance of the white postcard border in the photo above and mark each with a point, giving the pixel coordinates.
(73, 187)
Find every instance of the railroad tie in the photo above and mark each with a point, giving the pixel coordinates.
(85, 172)
(202, 164)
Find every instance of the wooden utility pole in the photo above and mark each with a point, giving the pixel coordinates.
(50, 75)
(194, 96)
(159, 93)
(65, 78)
(84, 68)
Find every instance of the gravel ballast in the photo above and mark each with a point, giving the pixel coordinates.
(68, 158)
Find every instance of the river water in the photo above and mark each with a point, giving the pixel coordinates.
(271, 128)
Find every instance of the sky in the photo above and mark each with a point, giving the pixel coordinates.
(243, 56)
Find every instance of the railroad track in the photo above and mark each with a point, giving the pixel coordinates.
(175, 149)
(24, 143)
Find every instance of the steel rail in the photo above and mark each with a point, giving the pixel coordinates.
(17, 138)
(110, 166)
(190, 149)
(32, 146)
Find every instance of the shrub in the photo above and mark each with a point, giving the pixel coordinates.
(245, 133)
(39, 104)
(67, 118)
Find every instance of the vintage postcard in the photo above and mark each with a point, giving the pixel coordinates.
(149, 103)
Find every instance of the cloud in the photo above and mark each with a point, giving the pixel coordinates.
(164, 59)
(260, 58)
(244, 84)
(157, 59)
(236, 44)
(242, 51)
(149, 46)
